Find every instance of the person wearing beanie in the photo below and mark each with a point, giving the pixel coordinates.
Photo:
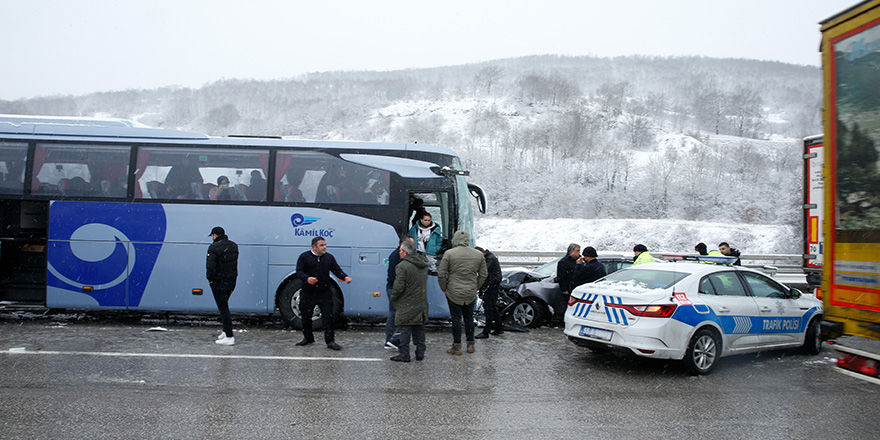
(590, 271)
(641, 255)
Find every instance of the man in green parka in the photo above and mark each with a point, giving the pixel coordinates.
(409, 295)
(461, 273)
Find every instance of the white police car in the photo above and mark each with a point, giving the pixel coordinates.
(692, 311)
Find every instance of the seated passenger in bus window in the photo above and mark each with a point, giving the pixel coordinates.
(77, 186)
(119, 188)
(257, 188)
(241, 192)
(222, 191)
(13, 178)
(178, 182)
(330, 189)
(375, 193)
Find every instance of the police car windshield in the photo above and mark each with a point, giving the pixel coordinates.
(646, 278)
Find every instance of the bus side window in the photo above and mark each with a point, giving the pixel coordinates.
(311, 177)
(13, 158)
(80, 170)
(194, 174)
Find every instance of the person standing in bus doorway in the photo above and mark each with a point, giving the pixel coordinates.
(426, 233)
(392, 336)
(461, 272)
(222, 272)
(313, 269)
(410, 298)
(490, 290)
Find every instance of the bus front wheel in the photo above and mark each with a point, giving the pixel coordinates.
(288, 306)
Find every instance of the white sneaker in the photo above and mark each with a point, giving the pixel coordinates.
(225, 341)
(222, 336)
(390, 346)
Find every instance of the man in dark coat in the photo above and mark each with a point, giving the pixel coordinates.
(392, 337)
(410, 298)
(490, 296)
(313, 269)
(590, 271)
(565, 268)
(222, 272)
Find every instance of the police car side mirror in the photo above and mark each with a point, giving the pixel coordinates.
(795, 293)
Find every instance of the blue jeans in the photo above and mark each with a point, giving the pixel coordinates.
(458, 312)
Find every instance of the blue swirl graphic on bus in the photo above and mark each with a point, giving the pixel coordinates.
(111, 247)
(300, 220)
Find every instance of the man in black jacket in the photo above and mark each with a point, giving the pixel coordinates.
(590, 271)
(490, 296)
(222, 272)
(313, 269)
(565, 267)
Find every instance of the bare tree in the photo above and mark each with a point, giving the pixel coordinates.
(488, 77)
(553, 88)
(611, 96)
(637, 129)
(745, 108)
(709, 106)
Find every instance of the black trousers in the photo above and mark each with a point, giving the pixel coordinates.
(457, 313)
(490, 306)
(222, 290)
(324, 301)
(417, 332)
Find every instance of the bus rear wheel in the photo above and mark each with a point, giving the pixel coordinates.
(288, 307)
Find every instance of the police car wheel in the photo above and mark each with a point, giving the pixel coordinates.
(812, 339)
(703, 352)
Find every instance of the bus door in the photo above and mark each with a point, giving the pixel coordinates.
(439, 205)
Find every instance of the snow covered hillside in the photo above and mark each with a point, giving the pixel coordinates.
(621, 235)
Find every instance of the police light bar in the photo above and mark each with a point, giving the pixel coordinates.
(714, 259)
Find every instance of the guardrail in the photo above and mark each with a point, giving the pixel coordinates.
(776, 263)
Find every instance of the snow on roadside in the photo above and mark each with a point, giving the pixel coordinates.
(610, 235)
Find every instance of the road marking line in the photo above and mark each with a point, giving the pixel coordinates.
(185, 355)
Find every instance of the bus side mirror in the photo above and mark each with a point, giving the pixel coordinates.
(480, 195)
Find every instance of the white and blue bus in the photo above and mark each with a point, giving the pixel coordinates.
(110, 214)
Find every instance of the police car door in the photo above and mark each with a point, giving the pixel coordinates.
(780, 313)
(735, 310)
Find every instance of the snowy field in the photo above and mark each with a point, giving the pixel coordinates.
(621, 235)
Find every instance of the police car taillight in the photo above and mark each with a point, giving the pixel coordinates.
(858, 364)
(649, 311)
(572, 300)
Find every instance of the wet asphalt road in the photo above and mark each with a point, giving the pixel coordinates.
(107, 378)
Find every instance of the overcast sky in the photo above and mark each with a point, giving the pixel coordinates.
(73, 47)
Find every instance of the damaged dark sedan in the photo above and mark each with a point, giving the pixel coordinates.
(531, 297)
